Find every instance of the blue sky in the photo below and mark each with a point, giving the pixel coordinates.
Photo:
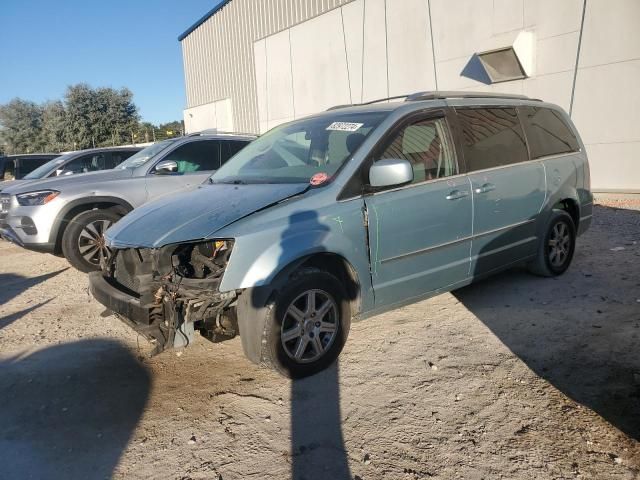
(49, 44)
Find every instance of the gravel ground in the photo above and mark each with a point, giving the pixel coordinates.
(514, 377)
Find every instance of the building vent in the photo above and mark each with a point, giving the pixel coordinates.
(502, 65)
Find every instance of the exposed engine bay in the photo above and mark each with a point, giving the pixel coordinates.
(178, 286)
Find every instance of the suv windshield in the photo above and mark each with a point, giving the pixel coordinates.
(296, 151)
(43, 170)
(145, 154)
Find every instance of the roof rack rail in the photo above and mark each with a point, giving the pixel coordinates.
(215, 131)
(440, 95)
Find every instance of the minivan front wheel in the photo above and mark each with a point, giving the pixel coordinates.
(83, 240)
(556, 250)
(306, 325)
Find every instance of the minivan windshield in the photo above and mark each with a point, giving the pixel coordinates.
(52, 165)
(297, 151)
(144, 155)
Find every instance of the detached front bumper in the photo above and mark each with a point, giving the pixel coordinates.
(126, 306)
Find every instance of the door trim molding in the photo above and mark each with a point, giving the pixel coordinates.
(460, 240)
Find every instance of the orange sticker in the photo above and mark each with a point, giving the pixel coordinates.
(319, 179)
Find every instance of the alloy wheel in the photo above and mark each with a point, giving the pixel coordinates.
(91, 244)
(310, 326)
(559, 244)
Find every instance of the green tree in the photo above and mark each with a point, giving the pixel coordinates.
(53, 126)
(21, 126)
(103, 116)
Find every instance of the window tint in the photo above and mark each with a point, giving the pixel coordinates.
(427, 145)
(196, 156)
(230, 148)
(27, 165)
(87, 163)
(116, 158)
(547, 132)
(492, 137)
(9, 170)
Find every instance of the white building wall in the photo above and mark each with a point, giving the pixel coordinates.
(298, 57)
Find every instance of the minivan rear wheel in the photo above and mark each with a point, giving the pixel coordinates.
(306, 324)
(83, 240)
(556, 250)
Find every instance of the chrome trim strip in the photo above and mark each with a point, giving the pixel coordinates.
(585, 217)
(459, 240)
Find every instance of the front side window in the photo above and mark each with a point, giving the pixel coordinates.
(117, 157)
(197, 156)
(491, 137)
(427, 145)
(83, 164)
(547, 132)
(296, 151)
(230, 148)
(146, 154)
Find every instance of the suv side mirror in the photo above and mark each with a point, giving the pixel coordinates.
(166, 167)
(390, 172)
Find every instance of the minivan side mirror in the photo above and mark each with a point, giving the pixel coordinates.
(390, 172)
(166, 167)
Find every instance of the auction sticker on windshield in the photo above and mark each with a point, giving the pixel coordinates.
(345, 126)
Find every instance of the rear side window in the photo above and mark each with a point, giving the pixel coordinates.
(492, 137)
(427, 145)
(547, 132)
(196, 156)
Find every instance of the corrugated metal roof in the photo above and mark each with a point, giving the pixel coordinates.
(203, 19)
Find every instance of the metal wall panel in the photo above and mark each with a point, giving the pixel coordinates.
(218, 54)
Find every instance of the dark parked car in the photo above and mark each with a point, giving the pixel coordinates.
(15, 167)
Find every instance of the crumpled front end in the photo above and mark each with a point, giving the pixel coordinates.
(168, 294)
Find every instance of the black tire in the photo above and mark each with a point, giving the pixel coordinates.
(277, 321)
(76, 244)
(550, 263)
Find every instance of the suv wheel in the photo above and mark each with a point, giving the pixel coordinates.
(306, 324)
(83, 242)
(555, 252)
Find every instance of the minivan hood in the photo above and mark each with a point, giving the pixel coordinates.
(196, 214)
(60, 183)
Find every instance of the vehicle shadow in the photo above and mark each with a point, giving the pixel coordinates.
(9, 319)
(69, 410)
(317, 443)
(13, 285)
(577, 331)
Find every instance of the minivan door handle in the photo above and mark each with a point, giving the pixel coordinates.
(456, 194)
(487, 187)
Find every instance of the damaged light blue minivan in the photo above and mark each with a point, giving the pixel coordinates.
(345, 214)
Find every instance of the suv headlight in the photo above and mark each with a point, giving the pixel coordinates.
(40, 197)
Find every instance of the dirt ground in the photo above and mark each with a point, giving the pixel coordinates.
(516, 377)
